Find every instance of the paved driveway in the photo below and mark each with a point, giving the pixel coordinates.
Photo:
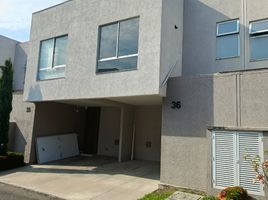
(88, 178)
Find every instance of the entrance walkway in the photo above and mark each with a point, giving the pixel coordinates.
(88, 178)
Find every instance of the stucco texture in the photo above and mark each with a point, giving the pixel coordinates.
(234, 100)
(81, 20)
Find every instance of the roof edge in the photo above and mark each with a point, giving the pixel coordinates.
(10, 38)
(36, 12)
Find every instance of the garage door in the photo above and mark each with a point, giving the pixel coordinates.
(57, 147)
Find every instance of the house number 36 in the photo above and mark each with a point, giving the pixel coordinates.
(176, 104)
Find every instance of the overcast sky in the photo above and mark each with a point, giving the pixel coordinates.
(15, 16)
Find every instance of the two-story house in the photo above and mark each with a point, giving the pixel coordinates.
(180, 82)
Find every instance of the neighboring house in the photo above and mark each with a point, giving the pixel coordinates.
(14, 50)
(180, 82)
(21, 119)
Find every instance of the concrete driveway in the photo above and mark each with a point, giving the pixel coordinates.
(88, 178)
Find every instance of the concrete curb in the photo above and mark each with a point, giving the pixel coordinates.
(184, 196)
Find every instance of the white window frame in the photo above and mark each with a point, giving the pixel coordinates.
(116, 57)
(228, 33)
(53, 55)
(237, 32)
(236, 147)
(257, 34)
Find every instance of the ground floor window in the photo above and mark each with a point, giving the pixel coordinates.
(229, 165)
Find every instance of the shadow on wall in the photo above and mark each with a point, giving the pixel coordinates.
(199, 38)
(19, 67)
(17, 142)
(222, 100)
(203, 100)
(196, 94)
(195, 113)
(35, 93)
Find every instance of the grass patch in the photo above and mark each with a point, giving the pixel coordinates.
(209, 198)
(160, 194)
(11, 160)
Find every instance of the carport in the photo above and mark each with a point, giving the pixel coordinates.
(104, 128)
(119, 146)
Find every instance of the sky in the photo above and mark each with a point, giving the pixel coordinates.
(15, 16)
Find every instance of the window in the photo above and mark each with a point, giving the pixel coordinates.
(229, 166)
(52, 58)
(118, 46)
(259, 40)
(228, 39)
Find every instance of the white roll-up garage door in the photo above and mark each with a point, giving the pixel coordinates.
(57, 147)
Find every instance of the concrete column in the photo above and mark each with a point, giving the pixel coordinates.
(126, 131)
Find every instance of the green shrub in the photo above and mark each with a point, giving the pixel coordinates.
(6, 81)
(209, 198)
(160, 194)
(11, 161)
(233, 193)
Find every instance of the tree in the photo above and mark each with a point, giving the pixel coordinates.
(260, 168)
(6, 82)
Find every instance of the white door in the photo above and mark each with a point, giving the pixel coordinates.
(68, 145)
(48, 149)
(56, 147)
(229, 165)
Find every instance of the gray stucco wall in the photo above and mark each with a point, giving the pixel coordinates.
(7, 49)
(158, 40)
(184, 143)
(234, 100)
(20, 63)
(254, 104)
(199, 38)
(109, 131)
(171, 38)
(22, 125)
(81, 20)
(16, 51)
(147, 129)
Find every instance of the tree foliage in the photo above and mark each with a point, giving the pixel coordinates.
(6, 82)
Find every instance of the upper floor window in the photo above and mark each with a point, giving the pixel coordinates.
(52, 58)
(228, 39)
(118, 46)
(259, 40)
